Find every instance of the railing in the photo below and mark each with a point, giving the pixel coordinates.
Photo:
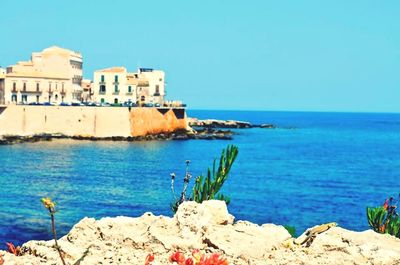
(62, 92)
(102, 92)
(116, 92)
(27, 91)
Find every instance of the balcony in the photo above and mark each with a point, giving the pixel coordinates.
(30, 91)
(157, 94)
(102, 83)
(14, 90)
(102, 92)
(63, 92)
(116, 92)
(116, 83)
(129, 93)
(50, 91)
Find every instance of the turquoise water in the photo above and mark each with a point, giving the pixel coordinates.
(315, 168)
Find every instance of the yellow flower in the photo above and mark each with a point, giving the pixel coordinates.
(48, 203)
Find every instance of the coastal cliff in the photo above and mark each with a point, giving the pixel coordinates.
(211, 229)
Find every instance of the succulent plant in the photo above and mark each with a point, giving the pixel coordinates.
(207, 187)
(385, 219)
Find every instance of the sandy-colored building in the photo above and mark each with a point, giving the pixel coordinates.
(116, 85)
(87, 90)
(53, 75)
(154, 92)
(2, 79)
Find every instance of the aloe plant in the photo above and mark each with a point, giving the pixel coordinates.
(385, 219)
(207, 187)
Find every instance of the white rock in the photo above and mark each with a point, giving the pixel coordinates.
(209, 227)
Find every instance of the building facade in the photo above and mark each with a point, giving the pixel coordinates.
(53, 75)
(116, 85)
(2, 84)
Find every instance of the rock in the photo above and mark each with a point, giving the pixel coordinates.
(267, 126)
(210, 228)
(210, 123)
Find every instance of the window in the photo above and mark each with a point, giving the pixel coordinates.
(102, 78)
(49, 98)
(14, 86)
(129, 89)
(62, 98)
(56, 85)
(37, 86)
(115, 100)
(142, 98)
(56, 97)
(116, 79)
(116, 88)
(62, 86)
(14, 98)
(102, 100)
(102, 89)
(37, 98)
(157, 89)
(24, 98)
(24, 86)
(49, 86)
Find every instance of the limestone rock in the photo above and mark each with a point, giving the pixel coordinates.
(210, 228)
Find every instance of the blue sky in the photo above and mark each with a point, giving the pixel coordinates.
(251, 55)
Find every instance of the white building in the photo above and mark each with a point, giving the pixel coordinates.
(53, 75)
(115, 86)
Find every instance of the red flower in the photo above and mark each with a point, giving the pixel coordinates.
(12, 249)
(149, 259)
(177, 257)
(198, 257)
(214, 259)
(189, 261)
(386, 204)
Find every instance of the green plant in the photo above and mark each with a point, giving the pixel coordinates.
(207, 187)
(385, 219)
(50, 206)
(291, 230)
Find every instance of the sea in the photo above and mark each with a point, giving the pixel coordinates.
(313, 168)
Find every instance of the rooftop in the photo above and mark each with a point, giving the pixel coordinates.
(118, 69)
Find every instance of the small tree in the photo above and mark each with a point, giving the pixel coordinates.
(207, 187)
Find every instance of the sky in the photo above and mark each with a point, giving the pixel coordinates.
(237, 55)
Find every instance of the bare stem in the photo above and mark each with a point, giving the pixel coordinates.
(53, 229)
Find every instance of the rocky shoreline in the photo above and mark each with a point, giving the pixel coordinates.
(209, 228)
(202, 134)
(231, 124)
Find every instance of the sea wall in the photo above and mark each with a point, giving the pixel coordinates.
(89, 121)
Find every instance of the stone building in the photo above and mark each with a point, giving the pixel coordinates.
(53, 75)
